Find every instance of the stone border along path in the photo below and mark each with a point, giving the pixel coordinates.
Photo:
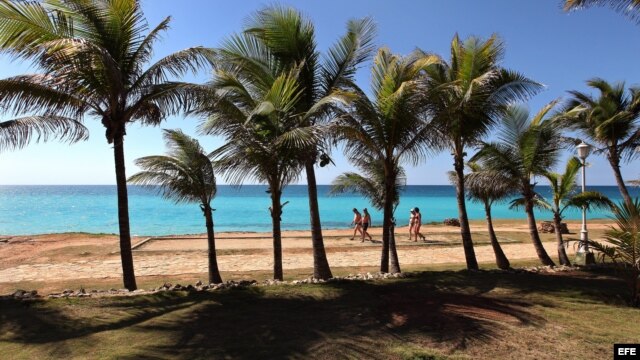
(168, 264)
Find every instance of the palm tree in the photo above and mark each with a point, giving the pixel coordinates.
(623, 245)
(563, 187)
(465, 96)
(488, 187)
(92, 56)
(371, 184)
(264, 139)
(184, 175)
(290, 37)
(630, 8)
(611, 121)
(17, 133)
(390, 128)
(526, 148)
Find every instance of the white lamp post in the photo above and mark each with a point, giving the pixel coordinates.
(584, 257)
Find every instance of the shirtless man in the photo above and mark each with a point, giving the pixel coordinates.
(366, 221)
(417, 225)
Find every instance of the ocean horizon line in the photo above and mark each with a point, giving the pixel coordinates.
(45, 209)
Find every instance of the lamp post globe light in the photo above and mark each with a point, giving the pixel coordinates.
(584, 256)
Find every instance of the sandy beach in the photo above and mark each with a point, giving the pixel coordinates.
(56, 257)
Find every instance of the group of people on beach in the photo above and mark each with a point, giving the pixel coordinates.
(361, 223)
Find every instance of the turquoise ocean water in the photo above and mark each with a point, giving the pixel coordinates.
(86, 208)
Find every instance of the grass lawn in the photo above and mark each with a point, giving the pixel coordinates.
(436, 315)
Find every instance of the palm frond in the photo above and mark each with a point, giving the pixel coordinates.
(17, 133)
(184, 175)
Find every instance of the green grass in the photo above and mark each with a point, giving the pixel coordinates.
(437, 315)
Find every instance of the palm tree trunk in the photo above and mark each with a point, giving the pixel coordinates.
(635, 287)
(276, 212)
(395, 262)
(126, 255)
(501, 259)
(465, 231)
(321, 269)
(533, 229)
(386, 223)
(214, 273)
(614, 160)
(562, 254)
(390, 183)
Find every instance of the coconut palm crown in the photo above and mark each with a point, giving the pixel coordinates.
(565, 196)
(466, 96)
(369, 183)
(525, 147)
(264, 139)
(92, 59)
(290, 37)
(488, 187)
(611, 121)
(184, 175)
(390, 128)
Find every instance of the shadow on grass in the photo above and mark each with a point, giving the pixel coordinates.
(340, 319)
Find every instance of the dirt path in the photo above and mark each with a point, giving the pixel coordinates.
(77, 256)
(196, 262)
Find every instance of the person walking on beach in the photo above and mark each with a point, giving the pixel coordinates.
(412, 222)
(366, 221)
(417, 225)
(357, 221)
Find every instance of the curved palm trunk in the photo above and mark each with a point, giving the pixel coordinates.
(533, 229)
(501, 259)
(614, 161)
(395, 262)
(465, 231)
(214, 273)
(321, 269)
(276, 212)
(562, 254)
(126, 255)
(387, 246)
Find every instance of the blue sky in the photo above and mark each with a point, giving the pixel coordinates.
(558, 49)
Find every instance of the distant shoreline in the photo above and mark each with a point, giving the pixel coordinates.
(597, 222)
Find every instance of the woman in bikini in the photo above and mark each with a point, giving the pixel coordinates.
(412, 223)
(417, 225)
(357, 221)
(366, 221)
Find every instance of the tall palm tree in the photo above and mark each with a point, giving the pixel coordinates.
(612, 121)
(17, 133)
(489, 187)
(371, 184)
(565, 196)
(264, 138)
(466, 96)
(630, 8)
(91, 56)
(623, 245)
(525, 148)
(184, 175)
(291, 38)
(391, 127)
